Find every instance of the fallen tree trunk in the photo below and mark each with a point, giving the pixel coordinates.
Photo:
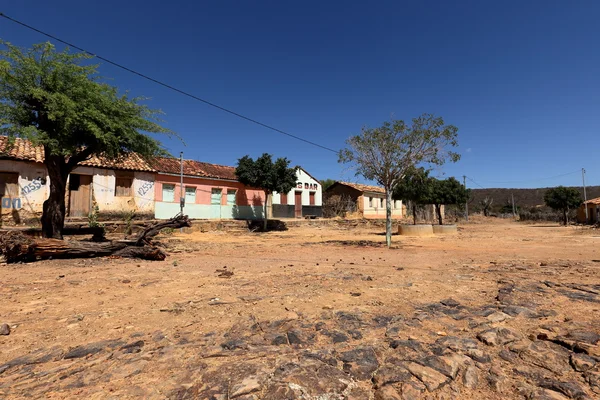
(17, 247)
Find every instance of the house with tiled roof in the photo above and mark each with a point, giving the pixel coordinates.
(210, 191)
(593, 211)
(369, 200)
(115, 186)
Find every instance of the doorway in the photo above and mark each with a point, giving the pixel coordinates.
(79, 195)
(298, 204)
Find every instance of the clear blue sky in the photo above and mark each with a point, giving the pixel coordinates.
(521, 80)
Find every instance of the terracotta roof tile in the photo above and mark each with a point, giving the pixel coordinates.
(193, 168)
(363, 188)
(21, 149)
(593, 201)
(129, 161)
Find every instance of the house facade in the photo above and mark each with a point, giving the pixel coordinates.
(210, 191)
(593, 212)
(370, 200)
(113, 186)
(306, 199)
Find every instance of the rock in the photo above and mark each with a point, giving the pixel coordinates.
(513, 311)
(387, 393)
(544, 354)
(234, 344)
(358, 393)
(497, 381)
(92, 348)
(582, 362)
(356, 335)
(584, 336)
(450, 303)
(498, 316)
(339, 337)
(294, 337)
(447, 365)
(4, 330)
(441, 333)
(429, 376)
(456, 343)
(391, 374)
(470, 377)
(134, 347)
(478, 355)
(570, 389)
(499, 336)
(546, 394)
(279, 340)
(410, 391)
(247, 386)
(324, 356)
(360, 362)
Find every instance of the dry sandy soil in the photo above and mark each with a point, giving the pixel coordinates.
(501, 310)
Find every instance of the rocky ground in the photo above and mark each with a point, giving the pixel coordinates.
(502, 310)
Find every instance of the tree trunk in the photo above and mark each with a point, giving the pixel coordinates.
(266, 211)
(438, 210)
(565, 216)
(53, 215)
(388, 216)
(414, 204)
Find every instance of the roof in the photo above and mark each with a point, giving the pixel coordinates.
(593, 201)
(363, 188)
(21, 149)
(193, 168)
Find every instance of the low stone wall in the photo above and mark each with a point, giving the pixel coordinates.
(445, 229)
(415, 230)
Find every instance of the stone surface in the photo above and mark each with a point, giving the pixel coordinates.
(387, 393)
(448, 365)
(582, 362)
(498, 316)
(431, 378)
(360, 362)
(470, 377)
(4, 330)
(247, 386)
(499, 336)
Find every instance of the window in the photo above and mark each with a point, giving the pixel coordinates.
(397, 204)
(9, 184)
(168, 192)
(74, 181)
(123, 183)
(311, 197)
(370, 202)
(231, 197)
(215, 196)
(380, 203)
(284, 199)
(190, 195)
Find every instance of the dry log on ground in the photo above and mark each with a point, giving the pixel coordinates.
(17, 247)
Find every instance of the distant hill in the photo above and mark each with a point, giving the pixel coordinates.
(524, 198)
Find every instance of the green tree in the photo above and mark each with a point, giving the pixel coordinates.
(325, 183)
(267, 175)
(563, 199)
(387, 153)
(446, 192)
(414, 187)
(57, 100)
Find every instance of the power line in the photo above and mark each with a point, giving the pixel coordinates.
(167, 85)
(475, 182)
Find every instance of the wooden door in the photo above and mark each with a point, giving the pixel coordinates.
(298, 204)
(9, 193)
(79, 195)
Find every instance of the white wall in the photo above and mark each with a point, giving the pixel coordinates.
(103, 181)
(33, 183)
(305, 184)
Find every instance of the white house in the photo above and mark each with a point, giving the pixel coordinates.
(306, 199)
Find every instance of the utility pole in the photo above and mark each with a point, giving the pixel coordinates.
(467, 200)
(584, 194)
(513, 204)
(181, 190)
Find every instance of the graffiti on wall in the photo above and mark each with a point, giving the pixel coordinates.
(7, 202)
(33, 186)
(145, 188)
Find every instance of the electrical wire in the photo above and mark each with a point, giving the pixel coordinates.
(168, 86)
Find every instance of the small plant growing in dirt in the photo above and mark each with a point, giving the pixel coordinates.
(128, 219)
(93, 217)
(175, 263)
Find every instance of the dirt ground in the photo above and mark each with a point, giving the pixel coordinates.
(501, 310)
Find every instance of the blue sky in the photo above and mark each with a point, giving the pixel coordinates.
(521, 80)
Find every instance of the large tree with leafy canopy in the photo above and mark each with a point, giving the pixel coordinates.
(267, 175)
(56, 100)
(414, 187)
(385, 154)
(563, 199)
(445, 192)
